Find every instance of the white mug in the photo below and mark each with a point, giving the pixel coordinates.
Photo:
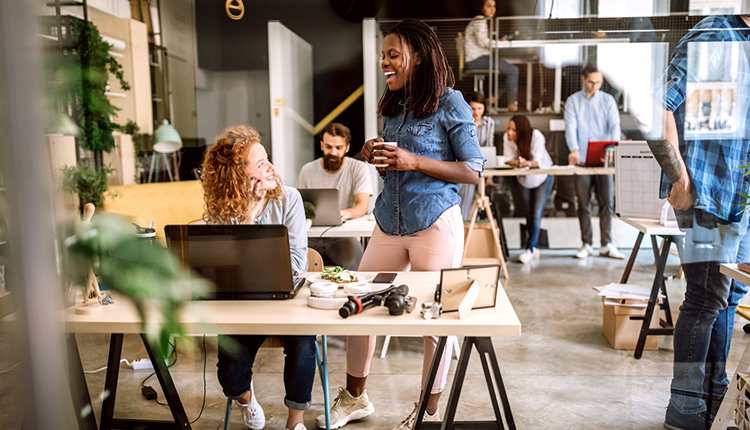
(375, 151)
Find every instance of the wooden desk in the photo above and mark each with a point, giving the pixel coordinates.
(359, 227)
(670, 235)
(728, 405)
(285, 317)
(481, 201)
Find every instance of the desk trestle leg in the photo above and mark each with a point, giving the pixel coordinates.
(653, 301)
(491, 370)
(78, 389)
(108, 422)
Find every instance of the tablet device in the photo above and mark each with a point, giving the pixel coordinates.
(595, 152)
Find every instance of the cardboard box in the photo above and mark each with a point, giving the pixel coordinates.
(482, 244)
(622, 332)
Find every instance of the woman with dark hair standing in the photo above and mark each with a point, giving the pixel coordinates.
(477, 51)
(486, 136)
(239, 187)
(419, 225)
(524, 146)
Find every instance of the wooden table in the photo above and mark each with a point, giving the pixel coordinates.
(481, 201)
(728, 405)
(287, 317)
(670, 235)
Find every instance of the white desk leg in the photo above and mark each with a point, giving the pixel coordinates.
(728, 405)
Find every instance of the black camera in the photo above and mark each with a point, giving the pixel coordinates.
(396, 299)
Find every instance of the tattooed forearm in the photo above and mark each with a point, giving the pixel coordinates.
(668, 159)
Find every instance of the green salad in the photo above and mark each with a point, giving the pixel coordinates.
(339, 275)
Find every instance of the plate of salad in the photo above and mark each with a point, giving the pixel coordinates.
(339, 275)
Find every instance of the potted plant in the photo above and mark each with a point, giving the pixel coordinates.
(93, 111)
(88, 183)
(309, 213)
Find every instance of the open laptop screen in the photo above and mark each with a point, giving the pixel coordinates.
(242, 261)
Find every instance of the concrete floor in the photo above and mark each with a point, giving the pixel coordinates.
(561, 373)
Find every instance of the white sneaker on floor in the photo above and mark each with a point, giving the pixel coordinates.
(347, 408)
(299, 426)
(408, 422)
(584, 251)
(252, 413)
(528, 255)
(611, 252)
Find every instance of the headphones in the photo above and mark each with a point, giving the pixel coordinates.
(323, 294)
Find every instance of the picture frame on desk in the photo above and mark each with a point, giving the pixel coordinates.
(455, 285)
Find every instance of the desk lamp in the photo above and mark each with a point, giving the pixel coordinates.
(167, 141)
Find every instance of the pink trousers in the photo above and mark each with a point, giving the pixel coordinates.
(439, 247)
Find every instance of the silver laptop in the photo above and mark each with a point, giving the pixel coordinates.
(490, 153)
(326, 202)
(244, 262)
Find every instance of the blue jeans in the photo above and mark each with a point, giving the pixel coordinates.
(235, 367)
(534, 200)
(703, 332)
(509, 70)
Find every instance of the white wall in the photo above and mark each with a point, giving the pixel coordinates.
(225, 99)
(178, 35)
(291, 100)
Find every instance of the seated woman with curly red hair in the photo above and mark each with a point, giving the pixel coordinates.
(240, 188)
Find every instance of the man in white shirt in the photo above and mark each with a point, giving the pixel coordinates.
(352, 178)
(591, 115)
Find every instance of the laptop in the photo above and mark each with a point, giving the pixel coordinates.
(326, 202)
(490, 153)
(595, 152)
(244, 262)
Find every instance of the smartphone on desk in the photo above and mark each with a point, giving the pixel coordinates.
(384, 278)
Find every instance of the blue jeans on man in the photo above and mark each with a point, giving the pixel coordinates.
(703, 332)
(509, 70)
(235, 367)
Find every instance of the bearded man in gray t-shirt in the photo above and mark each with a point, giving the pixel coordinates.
(352, 178)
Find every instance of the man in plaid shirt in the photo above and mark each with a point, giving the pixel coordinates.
(707, 137)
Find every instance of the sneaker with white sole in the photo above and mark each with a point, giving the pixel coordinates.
(584, 251)
(252, 413)
(347, 408)
(408, 422)
(299, 426)
(610, 251)
(528, 255)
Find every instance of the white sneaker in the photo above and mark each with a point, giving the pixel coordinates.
(347, 408)
(584, 251)
(252, 413)
(611, 252)
(408, 422)
(299, 426)
(528, 255)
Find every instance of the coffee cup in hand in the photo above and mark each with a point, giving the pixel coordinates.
(378, 148)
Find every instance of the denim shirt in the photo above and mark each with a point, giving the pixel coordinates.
(412, 201)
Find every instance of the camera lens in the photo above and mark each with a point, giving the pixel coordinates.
(395, 304)
(349, 308)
